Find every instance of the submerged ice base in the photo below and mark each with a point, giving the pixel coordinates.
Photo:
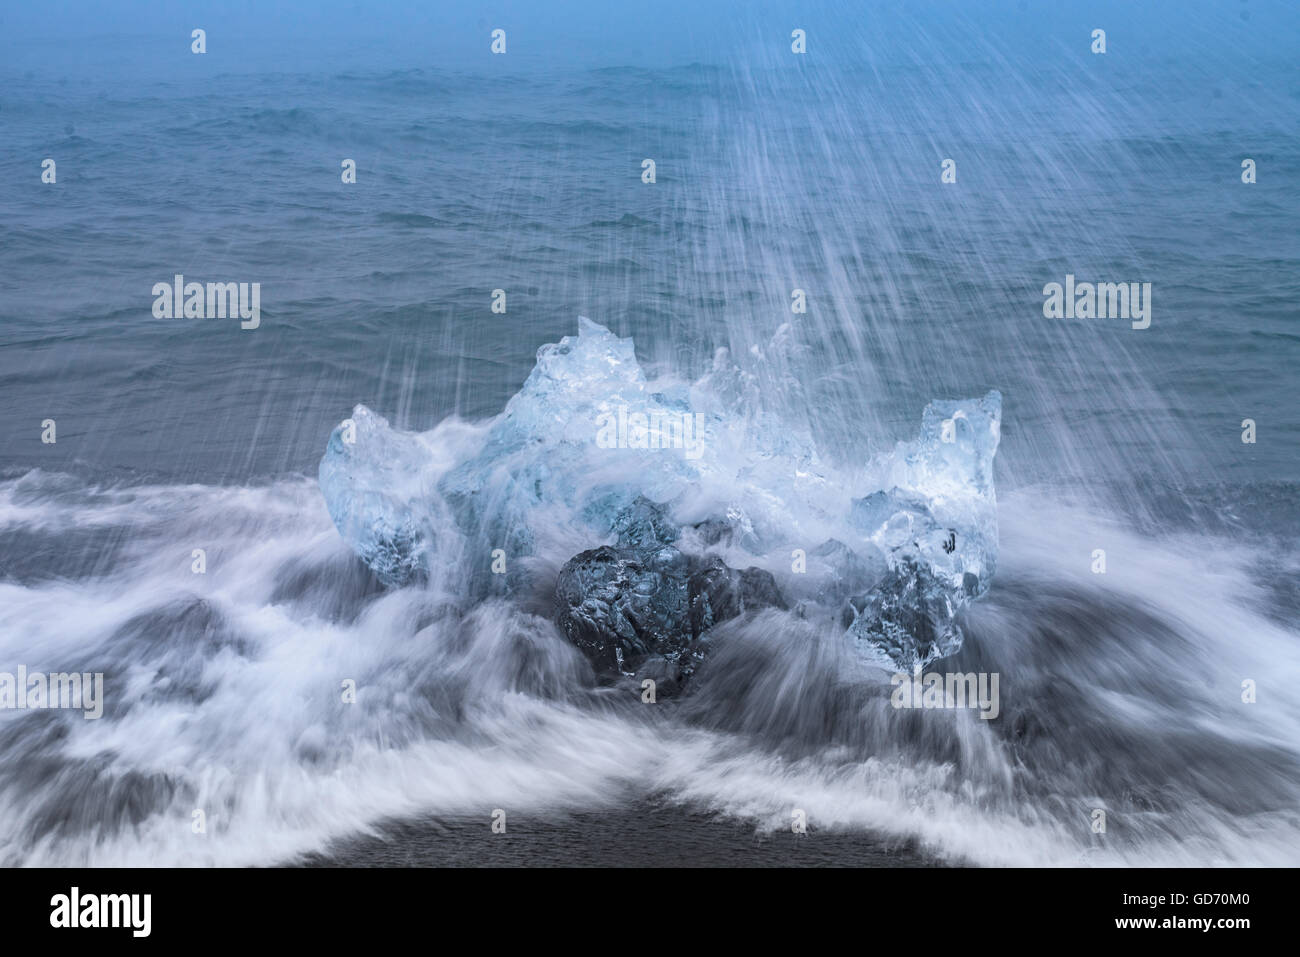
(496, 508)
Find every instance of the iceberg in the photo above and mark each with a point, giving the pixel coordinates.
(659, 530)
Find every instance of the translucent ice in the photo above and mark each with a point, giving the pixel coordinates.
(375, 483)
(726, 465)
(586, 431)
(937, 527)
(391, 494)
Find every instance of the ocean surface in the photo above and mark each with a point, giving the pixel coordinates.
(774, 172)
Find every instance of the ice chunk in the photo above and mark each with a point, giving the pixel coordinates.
(834, 574)
(908, 618)
(374, 482)
(581, 454)
(585, 430)
(937, 527)
(388, 491)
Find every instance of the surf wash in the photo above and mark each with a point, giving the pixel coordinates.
(60, 690)
(217, 300)
(949, 691)
(654, 430)
(1103, 300)
(103, 910)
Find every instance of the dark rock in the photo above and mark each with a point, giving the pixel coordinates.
(619, 606)
(718, 593)
(643, 605)
(758, 590)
